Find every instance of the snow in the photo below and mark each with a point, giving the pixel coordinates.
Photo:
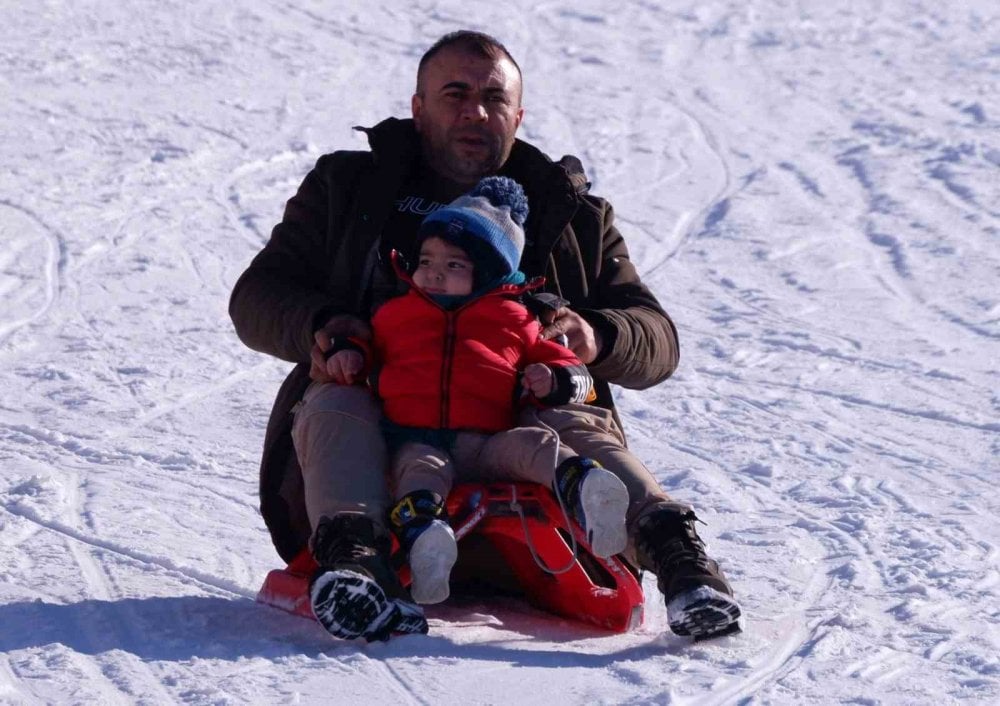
(813, 191)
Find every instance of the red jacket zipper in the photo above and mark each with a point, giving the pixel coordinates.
(447, 359)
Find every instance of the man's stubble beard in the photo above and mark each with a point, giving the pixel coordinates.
(445, 158)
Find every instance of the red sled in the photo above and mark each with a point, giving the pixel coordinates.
(523, 526)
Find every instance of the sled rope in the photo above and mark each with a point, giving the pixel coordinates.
(516, 507)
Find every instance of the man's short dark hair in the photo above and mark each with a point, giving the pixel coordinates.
(471, 42)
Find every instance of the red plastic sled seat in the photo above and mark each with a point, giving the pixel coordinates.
(523, 525)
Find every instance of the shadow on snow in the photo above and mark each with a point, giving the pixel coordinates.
(186, 627)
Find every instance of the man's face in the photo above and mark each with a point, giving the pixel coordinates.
(467, 109)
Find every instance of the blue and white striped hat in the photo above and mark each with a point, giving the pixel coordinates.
(491, 215)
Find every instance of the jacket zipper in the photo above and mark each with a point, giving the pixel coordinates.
(447, 359)
(448, 352)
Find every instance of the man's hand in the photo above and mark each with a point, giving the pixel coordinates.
(323, 370)
(538, 380)
(582, 338)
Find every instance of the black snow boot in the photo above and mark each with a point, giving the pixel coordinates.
(355, 592)
(699, 599)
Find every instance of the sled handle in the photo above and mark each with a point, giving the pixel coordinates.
(516, 507)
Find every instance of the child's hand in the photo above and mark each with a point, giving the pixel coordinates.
(538, 380)
(345, 366)
(340, 325)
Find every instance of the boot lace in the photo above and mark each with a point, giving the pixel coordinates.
(671, 540)
(335, 543)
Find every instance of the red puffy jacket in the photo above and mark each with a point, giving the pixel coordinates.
(459, 369)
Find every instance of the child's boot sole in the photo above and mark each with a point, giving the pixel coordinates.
(604, 500)
(432, 556)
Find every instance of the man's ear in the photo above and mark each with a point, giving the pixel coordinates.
(519, 118)
(416, 108)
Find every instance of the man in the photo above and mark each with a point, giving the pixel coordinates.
(325, 270)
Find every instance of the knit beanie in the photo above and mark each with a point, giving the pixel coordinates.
(487, 223)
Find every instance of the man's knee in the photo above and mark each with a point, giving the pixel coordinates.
(329, 412)
(572, 420)
(351, 401)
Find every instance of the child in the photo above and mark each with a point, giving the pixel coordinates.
(450, 360)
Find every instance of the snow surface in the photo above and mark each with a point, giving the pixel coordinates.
(813, 190)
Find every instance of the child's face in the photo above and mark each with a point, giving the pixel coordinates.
(443, 268)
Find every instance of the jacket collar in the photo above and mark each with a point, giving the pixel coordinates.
(395, 137)
(537, 173)
(554, 189)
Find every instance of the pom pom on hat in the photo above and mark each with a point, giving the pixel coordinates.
(503, 191)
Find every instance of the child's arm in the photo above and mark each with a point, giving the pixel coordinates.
(555, 376)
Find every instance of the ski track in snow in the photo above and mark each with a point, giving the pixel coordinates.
(812, 192)
(19, 224)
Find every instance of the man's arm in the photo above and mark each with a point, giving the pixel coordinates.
(632, 339)
(282, 298)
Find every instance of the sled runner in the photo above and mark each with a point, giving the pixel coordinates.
(523, 526)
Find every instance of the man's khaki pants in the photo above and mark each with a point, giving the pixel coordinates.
(345, 464)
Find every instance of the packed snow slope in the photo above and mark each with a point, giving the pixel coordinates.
(813, 191)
